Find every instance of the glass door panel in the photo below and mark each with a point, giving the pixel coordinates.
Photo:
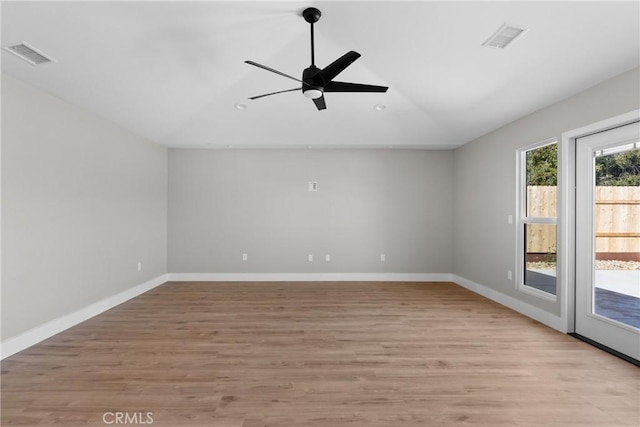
(616, 293)
(608, 238)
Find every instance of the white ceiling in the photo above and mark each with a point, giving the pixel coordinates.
(173, 71)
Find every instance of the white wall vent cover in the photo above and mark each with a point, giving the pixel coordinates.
(505, 35)
(29, 53)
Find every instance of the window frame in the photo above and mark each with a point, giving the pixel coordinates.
(522, 219)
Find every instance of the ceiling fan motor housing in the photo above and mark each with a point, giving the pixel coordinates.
(312, 82)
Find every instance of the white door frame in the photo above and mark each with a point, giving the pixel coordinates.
(567, 209)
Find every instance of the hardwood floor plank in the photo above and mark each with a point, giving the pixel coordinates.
(317, 354)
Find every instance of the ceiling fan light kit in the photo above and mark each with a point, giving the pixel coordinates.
(312, 93)
(316, 81)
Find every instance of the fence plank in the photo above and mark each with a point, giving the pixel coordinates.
(617, 219)
(617, 213)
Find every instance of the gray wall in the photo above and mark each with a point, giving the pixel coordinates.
(82, 203)
(485, 181)
(369, 202)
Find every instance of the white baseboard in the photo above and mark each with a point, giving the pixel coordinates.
(528, 310)
(309, 277)
(40, 333)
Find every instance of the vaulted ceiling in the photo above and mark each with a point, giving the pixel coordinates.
(174, 72)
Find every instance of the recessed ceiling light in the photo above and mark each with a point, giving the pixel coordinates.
(379, 107)
(240, 107)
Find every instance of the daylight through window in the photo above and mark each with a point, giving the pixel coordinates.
(538, 218)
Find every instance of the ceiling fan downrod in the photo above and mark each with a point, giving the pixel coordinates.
(312, 15)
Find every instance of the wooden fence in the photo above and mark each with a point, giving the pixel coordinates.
(617, 220)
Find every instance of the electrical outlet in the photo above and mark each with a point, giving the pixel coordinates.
(383, 257)
(509, 275)
(327, 257)
(313, 185)
(139, 266)
(509, 219)
(310, 258)
(244, 257)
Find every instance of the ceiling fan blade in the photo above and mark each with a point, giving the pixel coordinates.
(264, 67)
(274, 93)
(353, 87)
(338, 66)
(320, 103)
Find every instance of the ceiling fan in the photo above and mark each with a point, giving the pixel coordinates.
(316, 81)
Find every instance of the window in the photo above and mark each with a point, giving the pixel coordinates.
(537, 213)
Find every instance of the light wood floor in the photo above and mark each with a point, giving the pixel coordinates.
(317, 354)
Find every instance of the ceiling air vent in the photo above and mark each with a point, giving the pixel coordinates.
(28, 53)
(505, 35)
